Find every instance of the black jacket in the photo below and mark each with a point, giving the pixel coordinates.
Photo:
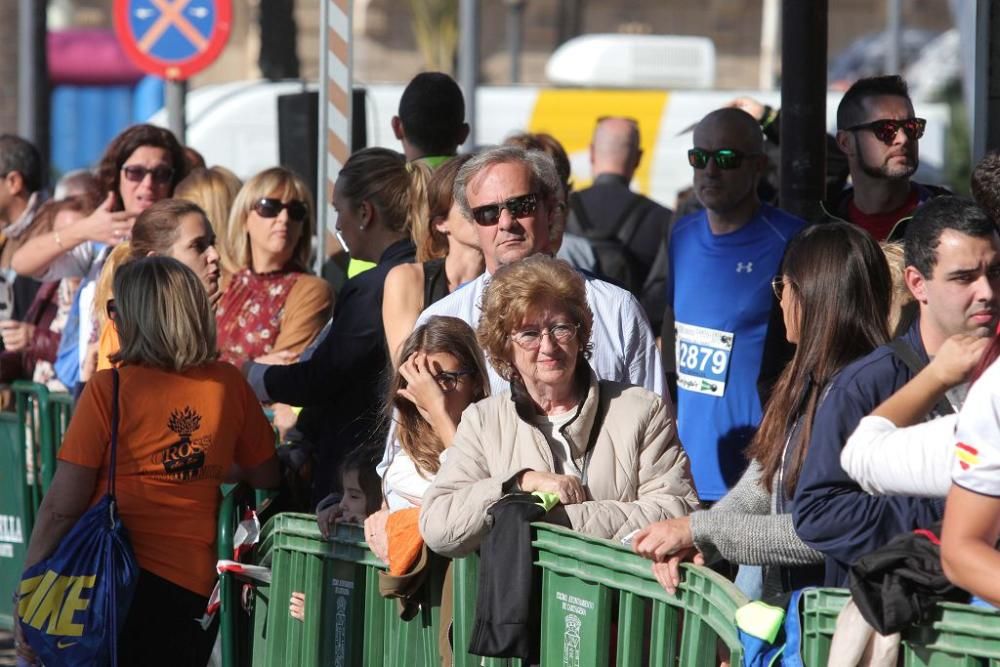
(342, 386)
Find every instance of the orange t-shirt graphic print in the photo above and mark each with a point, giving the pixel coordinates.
(178, 435)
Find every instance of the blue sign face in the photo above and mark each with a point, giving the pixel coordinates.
(172, 30)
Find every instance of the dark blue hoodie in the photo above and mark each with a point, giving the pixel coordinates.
(831, 513)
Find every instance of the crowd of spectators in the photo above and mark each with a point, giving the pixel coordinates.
(497, 363)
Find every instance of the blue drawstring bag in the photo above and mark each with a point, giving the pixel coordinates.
(72, 605)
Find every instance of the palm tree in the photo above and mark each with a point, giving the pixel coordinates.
(435, 26)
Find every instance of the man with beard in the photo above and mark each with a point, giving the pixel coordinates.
(728, 334)
(879, 134)
(953, 272)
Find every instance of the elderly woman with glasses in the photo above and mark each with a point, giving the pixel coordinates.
(607, 450)
(271, 304)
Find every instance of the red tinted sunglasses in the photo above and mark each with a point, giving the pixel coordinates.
(885, 129)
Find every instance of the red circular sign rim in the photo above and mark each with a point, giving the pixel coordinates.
(184, 69)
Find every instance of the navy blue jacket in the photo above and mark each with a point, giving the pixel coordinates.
(831, 513)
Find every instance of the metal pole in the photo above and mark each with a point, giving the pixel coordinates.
(176, 118)
(803, 109)
(26, 126)
(31, 73)
(769, 24)
(468, 63)
(894, 41)
(515, 37)
(986, 100)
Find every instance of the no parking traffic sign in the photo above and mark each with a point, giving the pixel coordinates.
(174, 39)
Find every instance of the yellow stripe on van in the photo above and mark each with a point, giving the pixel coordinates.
(570, 115)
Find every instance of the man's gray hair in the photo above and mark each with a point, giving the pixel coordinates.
(545, 179)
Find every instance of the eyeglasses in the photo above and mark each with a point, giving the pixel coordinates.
(448, 380)
(885, 129)
(271, 207)
(725, 158)
(111, 309)
(778, 285)
(531, 339)
(137, 173)
(518, 207)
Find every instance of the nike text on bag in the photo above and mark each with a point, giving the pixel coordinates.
(72, 605)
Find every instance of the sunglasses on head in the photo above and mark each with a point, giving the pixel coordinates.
(518, 207)
(137, 173)
(725, 158)
(270, 207)
(885, 129)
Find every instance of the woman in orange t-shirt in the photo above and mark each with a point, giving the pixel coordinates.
(186, 419)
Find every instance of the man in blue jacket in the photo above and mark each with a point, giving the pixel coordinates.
(953, 271)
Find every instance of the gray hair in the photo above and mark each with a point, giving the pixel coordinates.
(545, 178)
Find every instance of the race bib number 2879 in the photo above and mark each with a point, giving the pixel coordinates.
(703, 358)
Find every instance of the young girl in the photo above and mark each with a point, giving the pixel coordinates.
(361, 484)
(442, 371)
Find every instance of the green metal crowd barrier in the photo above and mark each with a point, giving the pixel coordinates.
(590, 585)
(957, 635)
(29, 441)
(598, 597)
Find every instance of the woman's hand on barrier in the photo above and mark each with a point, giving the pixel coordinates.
(570, 489)
(16, 335)
(376, 534)
(297, 606)
(668, 572)
(659, 540)
(327, 518)
(956, 358)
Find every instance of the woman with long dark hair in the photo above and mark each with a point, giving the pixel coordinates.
(835, 292)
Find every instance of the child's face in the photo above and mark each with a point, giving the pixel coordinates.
(354, 501)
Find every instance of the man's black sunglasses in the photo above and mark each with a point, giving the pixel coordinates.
(885, 129)
(518, 207)
(725, 158)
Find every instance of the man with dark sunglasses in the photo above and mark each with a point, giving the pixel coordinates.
(728, 334)
(511, 196)
(880, 134)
